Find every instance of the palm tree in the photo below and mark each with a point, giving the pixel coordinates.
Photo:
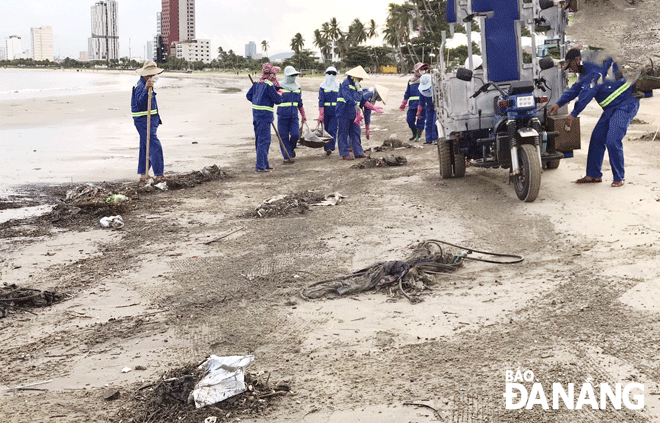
(322, 43)
(372, 31)
(264, 47)
(357, 33)
(297, 43)
(398, 26)
(334, 33)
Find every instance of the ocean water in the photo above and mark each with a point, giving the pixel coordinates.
(21, 84)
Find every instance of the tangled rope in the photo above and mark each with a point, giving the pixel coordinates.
(414, 273)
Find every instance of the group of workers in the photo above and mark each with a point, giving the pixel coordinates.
(343, 107)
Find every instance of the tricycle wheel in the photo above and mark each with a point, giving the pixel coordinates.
(528, 182)
(459, 165)
(444, 157)
(552, 164)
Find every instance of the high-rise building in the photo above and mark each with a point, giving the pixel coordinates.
(104, 43)
(194, 51)
(178, 21)
(13, 47)
(42, 43)
(250, 49)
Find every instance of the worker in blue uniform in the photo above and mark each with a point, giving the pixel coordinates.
(349, 115)
(411, 98)
(426, 101)
(263, 95)
(287, 114)
(328, 93)
(615, 96)
(368, 104)
(139, 105)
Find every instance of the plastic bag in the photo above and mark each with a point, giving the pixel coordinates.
(225, 377)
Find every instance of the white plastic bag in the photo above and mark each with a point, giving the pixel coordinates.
(225, 377)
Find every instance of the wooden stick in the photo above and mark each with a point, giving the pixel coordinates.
(148, 130)
(30, 384)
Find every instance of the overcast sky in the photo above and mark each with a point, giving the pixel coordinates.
(229, 24)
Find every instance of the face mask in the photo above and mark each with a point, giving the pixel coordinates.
(154, 78)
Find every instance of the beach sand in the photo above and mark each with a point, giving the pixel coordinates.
(193, 273)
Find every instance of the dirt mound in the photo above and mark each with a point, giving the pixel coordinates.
(284, 205)
(389, 160)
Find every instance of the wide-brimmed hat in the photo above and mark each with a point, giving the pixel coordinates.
(425, 82)
(419, 66)
(382, 93)
(149, 69)
(290, 71)
(358, 72)
(572, 54)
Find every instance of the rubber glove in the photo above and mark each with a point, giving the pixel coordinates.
(358, 117)
(321, 114)
(376, 109)
(419, 111)
(302, 114)
(366, 127)
(403, 105)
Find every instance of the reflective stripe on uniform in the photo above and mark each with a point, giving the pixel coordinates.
(295, 104)
(255, 107)
(331, 104)
(615, 94)
(330, 91)
(140, 114)
(341, 100)
(413, 98)
(289, 91)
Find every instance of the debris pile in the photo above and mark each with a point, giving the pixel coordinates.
(13, 297)
(170, 399)
(389, 160)
(283, 205)
(189, 180)
(392, 143)
(413, 275)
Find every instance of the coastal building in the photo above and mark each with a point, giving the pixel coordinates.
(13, 47)
(250, 50)
(84, 56)
(104, 42)
(177, 21)
(194, 51)
(2, 53)
(42, 43)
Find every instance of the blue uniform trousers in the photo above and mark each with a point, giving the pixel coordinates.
(348, 136)
(330, 125)
(608, 133)
(413, 122)
(262, 142)
(289, 133)
(431, 129)
(155, 148)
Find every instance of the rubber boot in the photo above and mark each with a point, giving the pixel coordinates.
(419, 135)
(414, 135)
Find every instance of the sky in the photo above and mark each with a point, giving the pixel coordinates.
(229, 24)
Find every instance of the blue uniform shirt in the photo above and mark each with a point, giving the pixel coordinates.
(412, 94)
(291, 102)
(139, 103)
(328, 100)
(263, 97)
(349, 97)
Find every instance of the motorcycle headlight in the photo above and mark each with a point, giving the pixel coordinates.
(525, 102)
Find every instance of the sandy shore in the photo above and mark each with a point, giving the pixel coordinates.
(193, 274)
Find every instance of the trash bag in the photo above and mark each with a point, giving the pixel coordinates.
(224, 378)
(316, 138)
